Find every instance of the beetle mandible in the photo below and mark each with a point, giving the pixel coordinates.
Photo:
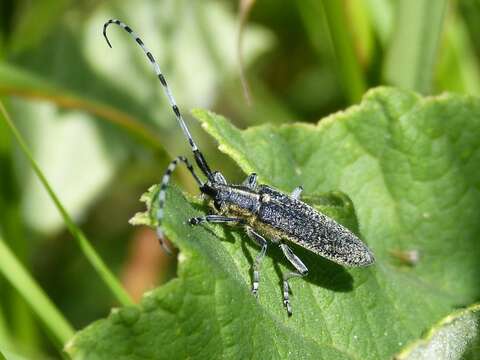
(263, 211)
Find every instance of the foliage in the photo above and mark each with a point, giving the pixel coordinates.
(96, 123)
(404, 170)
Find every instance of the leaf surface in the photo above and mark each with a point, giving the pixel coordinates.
(410, 166)
(456, 337)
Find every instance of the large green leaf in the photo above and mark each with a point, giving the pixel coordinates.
(409, 164)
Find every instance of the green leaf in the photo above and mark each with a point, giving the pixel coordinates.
(410, 166)
(7, 355)
(455, 337)
(458, 69)
(35, 21)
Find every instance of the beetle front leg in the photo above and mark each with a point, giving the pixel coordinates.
(214, 219)
(260, 240)
(301, 272)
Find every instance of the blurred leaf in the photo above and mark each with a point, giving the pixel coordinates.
(381, 16)
(35, 19)
(315, 23)
(469, 10)
(244, 9)
(458, 68)
(80, 164)
(61, 139)
(189, 40)
(405, 171)
(11, 356)
(87, 249)
(456, 337)
(18, 82)
(358, 18)
(4, 336)
(267, 107)
(411, 57)
(21, 280)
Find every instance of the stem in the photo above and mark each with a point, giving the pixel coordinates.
(4, 335)
(31, 292)
(23, 326)
(94, 259)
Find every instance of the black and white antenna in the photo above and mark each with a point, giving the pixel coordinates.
(200, 160)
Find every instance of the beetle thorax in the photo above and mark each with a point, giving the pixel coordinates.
(237, 200)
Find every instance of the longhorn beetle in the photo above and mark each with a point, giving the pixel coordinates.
(264, 212)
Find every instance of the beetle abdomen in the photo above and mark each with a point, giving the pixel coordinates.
(302, 224)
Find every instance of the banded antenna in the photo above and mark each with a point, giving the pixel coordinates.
(200, 160)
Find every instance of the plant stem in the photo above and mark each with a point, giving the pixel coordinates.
(102, 270)
(4, 335)
(22, 327)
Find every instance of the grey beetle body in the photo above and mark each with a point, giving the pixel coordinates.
(279, 216)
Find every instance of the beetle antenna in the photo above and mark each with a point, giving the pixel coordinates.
(200, 160)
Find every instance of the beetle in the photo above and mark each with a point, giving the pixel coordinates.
(263, 211)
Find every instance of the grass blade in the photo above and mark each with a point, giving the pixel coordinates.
(22, 281)
(23, 326)
(349, 68)
(90, 253)
(458, 68)
(4, 336)
(411, 58)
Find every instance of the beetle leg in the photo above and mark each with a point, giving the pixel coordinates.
(160, 195)
(214, 219)
(297, 192)
(260, 240)
(219, 178)
(251, 181)
(301, 272)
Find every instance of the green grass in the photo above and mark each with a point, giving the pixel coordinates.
(97, 263)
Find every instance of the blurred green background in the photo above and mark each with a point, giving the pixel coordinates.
(100, 129)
